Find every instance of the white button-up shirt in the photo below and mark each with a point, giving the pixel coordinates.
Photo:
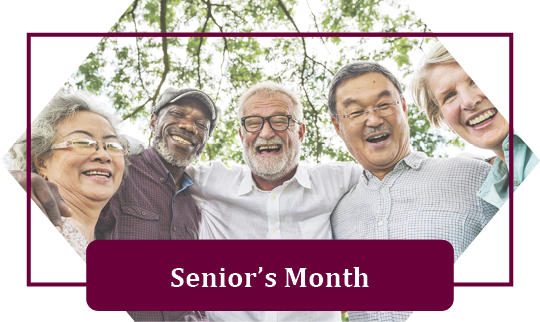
(234, 208)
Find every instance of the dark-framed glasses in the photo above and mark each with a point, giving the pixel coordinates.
(361, 115)
(87, 146)
(277, 122)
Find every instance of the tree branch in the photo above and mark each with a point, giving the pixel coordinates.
(138, 51)
(135, 3)
(236, 14)
(303, 79)
(421, 43)
(317, 26)
(164, 45)
(282, 6)
(208, 14)
(225, 49)
(163, 28)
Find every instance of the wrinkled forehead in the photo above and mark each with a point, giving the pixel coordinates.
(264, 103)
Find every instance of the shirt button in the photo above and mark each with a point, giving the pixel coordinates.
(143, 213)
(273, 230)
(383, 312)
(507, 145)
(408, 168)
(516, 182)
(174, 228)
(381, 223)
(381, 190)
(273, 196)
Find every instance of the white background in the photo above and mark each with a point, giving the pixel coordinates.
(57, 59)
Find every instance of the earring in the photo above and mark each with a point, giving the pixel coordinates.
(44, 176)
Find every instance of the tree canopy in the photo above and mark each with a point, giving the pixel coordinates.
(133, 71)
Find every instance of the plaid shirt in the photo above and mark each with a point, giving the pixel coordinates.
(148, 207)
(422, 198)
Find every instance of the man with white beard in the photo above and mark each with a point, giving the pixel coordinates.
(276, 198)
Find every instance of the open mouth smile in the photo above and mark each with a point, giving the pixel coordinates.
(181, 140)
(97, 174)
(268, 148)
(483, 118)
(378, 138)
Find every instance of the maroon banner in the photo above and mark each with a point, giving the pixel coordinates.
(270, 275)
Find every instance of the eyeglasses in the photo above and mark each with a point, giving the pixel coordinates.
(277, 122)
(385, 109)
(87, 146)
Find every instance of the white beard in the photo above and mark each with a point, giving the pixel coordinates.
(275, 167)
(160, 147)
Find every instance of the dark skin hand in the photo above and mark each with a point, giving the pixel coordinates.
(45, 194)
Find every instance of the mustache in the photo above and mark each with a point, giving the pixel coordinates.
(179, 132)
(381, 128)
(274, 140)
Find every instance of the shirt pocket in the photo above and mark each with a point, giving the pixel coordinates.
(317, 227)
(138, 222)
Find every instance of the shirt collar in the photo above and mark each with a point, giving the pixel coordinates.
(185, 180)
(248, 184)
(302, 177)
(159, 169)
(412, 161)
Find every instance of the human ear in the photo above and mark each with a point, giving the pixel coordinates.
(240, 133)
(302, 131)
(404, 107)
(41, 167)
(153, 122)
(337, 127)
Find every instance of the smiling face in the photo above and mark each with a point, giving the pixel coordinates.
(466, 109)
(181, 131)
(84, 177)
(271, 155)
(379, 142)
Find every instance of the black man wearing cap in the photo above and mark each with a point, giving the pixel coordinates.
(153, 202)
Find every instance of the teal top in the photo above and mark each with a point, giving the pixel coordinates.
(495, 187)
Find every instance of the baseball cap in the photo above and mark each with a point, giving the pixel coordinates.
(171, 95)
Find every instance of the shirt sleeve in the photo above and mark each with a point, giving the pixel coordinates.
(197, 176)
(487, 209)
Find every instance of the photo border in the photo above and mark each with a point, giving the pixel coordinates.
(510, 37)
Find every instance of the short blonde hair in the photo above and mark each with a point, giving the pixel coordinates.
(419, 87)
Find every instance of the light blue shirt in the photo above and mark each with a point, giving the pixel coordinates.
(422, 198)
(495, 189)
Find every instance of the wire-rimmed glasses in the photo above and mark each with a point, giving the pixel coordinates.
(88, 146)
(383, 110)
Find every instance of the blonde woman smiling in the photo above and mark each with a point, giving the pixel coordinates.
(444, 91)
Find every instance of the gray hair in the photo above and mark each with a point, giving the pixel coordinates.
(63, 106)
(353, 70)
(272, 88)
(419, 87)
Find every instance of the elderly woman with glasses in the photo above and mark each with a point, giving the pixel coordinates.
(75, 145)
(444, 91)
